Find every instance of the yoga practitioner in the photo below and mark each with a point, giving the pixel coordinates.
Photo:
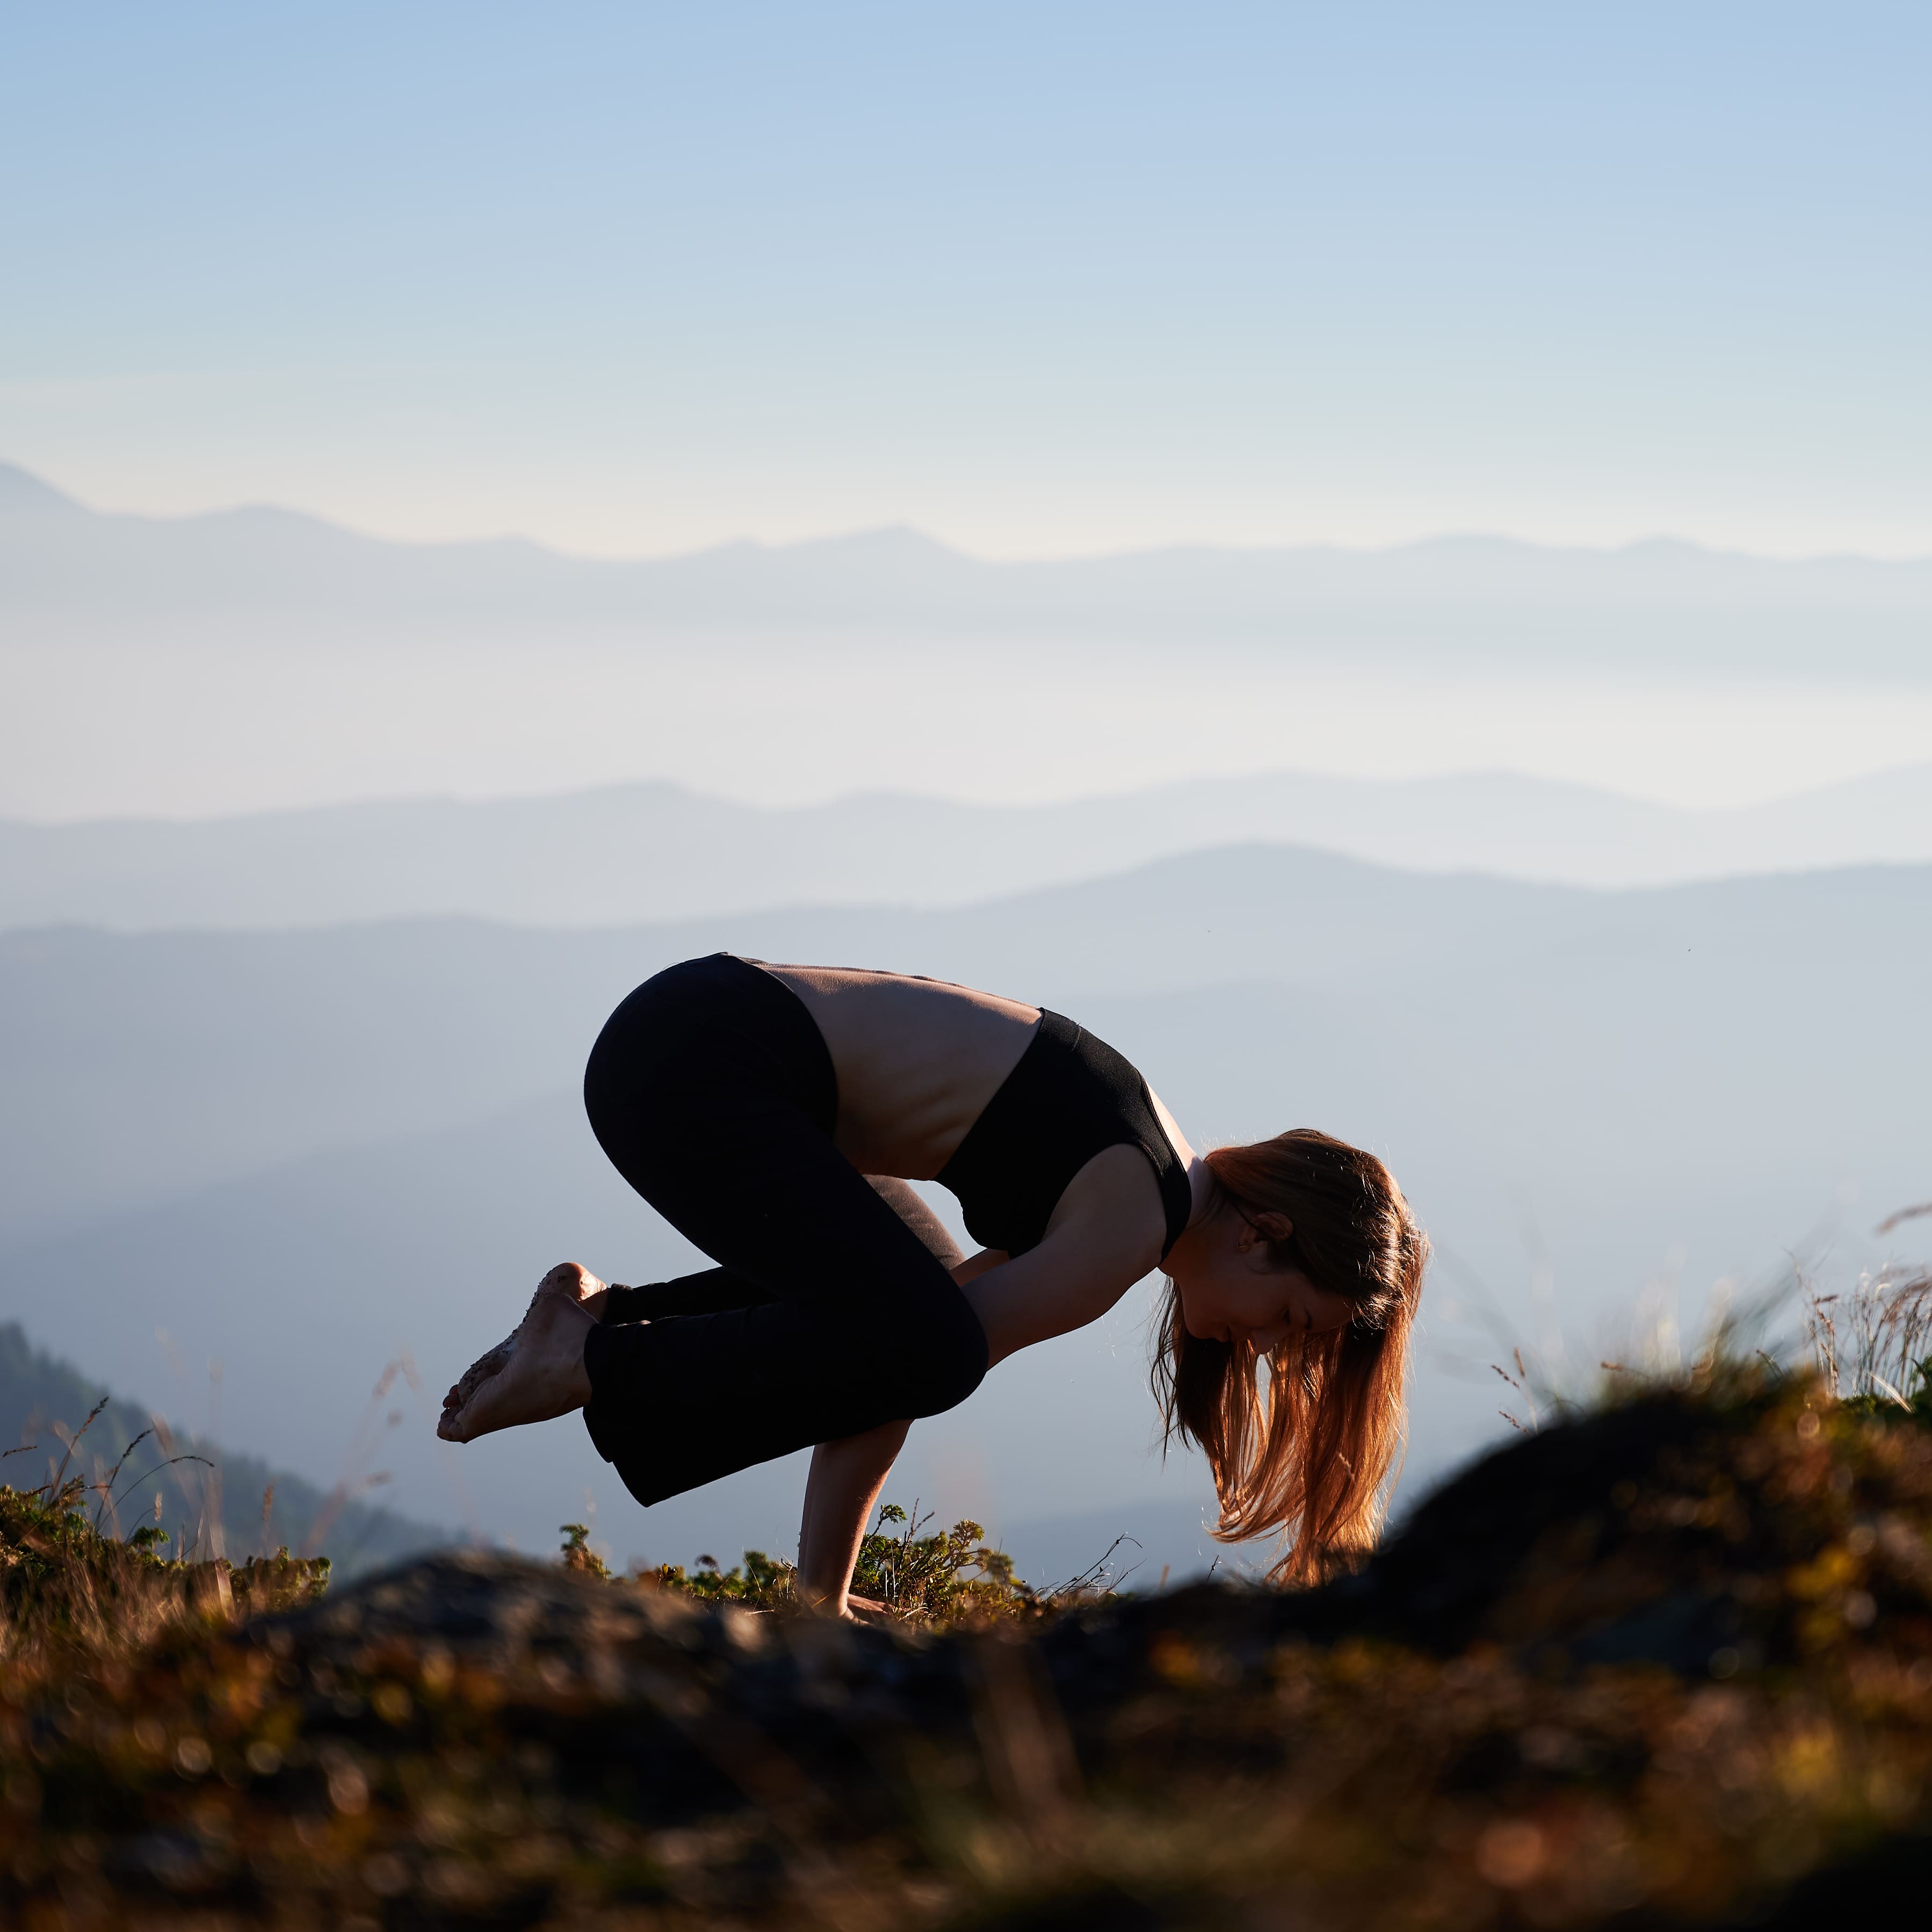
(773, 1114)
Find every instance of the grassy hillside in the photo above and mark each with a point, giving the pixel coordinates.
(212, 1502)
(1666, 1664)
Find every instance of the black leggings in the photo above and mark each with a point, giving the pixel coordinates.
(712, 1092)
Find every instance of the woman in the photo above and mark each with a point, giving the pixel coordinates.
(749, 1103)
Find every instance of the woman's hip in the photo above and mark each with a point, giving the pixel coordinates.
(705, 1041)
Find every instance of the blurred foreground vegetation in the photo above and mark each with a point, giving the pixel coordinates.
(1665, 1662)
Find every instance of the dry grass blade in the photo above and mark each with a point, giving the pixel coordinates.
(1874, 1340)
(1904, 1215)
(74, 1442)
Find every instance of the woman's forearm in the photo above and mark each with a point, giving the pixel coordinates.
(840, 1495)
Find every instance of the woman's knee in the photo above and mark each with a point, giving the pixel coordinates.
(625, 1101)
(943, 1360)
(605, 1085)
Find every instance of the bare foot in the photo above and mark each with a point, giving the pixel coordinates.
(537, 1372)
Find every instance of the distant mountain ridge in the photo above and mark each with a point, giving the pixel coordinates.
(258, 658)
(1668, 604)
(21, 489)
(651, 852)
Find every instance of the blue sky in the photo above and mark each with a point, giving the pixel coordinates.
(1038, 279)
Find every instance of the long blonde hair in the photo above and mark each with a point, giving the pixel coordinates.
(1310, 1456)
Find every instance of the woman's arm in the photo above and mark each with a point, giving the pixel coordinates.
(974, 1265)
(843, 1490)
(1104, 1236)
(840, 1495)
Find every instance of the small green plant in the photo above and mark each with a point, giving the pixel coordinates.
(762, 1583)
(578, 1553)
(950, 1576)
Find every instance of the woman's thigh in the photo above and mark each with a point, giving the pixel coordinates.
(711, 1090)
(863, 1323)
(713, 1290)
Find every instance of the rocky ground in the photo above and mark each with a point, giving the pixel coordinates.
(1670, 1664)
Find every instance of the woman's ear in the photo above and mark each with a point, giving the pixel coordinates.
(1276, 1227)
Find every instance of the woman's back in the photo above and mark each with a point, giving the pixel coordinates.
(916, 1059)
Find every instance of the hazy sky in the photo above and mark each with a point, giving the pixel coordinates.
(1038, 279)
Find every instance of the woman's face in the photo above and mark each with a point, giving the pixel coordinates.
(1229, 1292)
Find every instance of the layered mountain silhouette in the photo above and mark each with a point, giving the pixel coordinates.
(653, 852)
(256, 659)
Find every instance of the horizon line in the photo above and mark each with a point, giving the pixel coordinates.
(63, 498)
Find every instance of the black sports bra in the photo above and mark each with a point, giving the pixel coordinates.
(1070, 1096)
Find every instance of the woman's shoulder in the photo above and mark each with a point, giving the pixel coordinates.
(1176, 1139)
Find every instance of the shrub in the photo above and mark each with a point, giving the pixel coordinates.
(949, 1576)
(71, 1596)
